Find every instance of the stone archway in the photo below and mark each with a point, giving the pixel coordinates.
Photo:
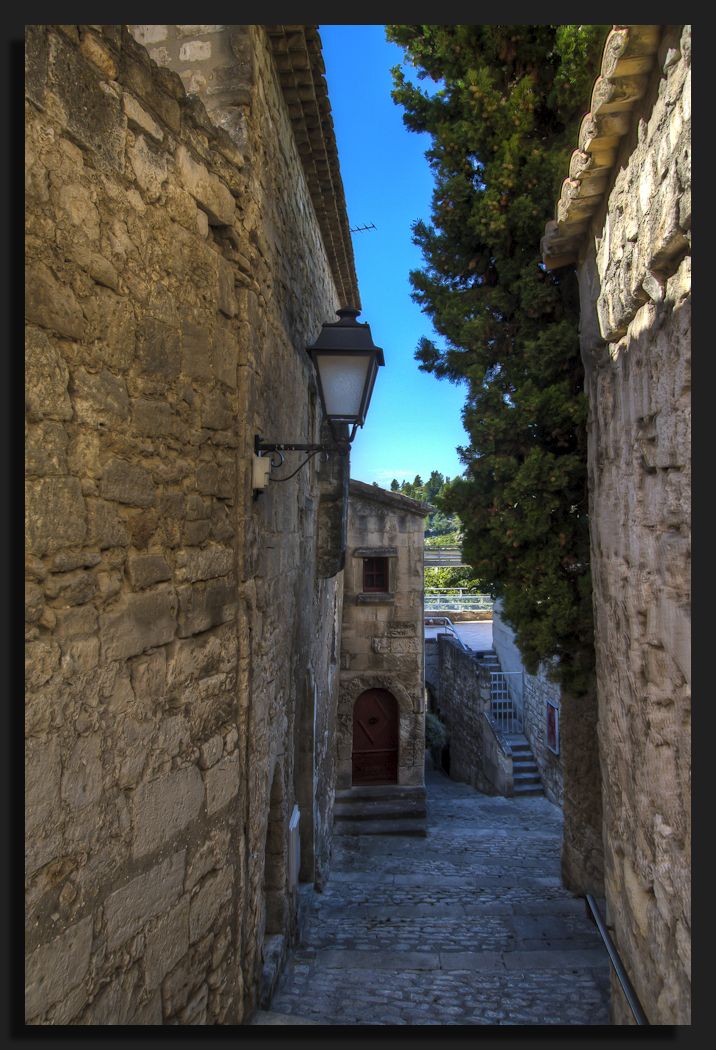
(411, 727)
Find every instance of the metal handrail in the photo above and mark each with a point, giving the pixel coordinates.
(629, 994)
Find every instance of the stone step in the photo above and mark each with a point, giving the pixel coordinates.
(527, 789)
(526, 778)
(374, 809)
(402, 826)
(381, 791)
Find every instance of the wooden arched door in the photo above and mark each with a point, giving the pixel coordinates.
(375, 738)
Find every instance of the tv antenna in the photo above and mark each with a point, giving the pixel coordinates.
(359, 229)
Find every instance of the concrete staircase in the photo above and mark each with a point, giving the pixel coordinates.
(525, 774)
(380, 809)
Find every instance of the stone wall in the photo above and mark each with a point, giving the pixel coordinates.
(177, 630)
(635, 283)
(477, 756)
(382, 633)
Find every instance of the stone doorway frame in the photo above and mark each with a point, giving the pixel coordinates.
(410, 765)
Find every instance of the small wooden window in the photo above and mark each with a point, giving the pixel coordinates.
(375, 574)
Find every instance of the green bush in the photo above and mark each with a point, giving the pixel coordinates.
(435, 732)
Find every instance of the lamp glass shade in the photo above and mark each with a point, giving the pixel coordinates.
(346, 383)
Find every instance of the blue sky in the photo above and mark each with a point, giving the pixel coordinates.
(414, 423)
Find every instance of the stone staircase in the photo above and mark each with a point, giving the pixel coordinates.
(380, 809)
(525, 774)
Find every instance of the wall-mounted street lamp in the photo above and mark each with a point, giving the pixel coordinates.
(346, 362)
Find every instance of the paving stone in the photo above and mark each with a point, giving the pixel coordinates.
(468, 926)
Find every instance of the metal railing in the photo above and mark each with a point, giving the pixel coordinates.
(434, 557)
(457, 600)
(505, 691)
(448, 627)
(622, 976)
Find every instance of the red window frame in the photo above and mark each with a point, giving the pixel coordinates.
(376, 574)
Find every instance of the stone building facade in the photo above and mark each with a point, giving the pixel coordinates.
(382, 642)
(182, 636)
(624, 218)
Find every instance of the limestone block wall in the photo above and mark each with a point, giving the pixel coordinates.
(463, 701)
(176, 630)
(382, 634)
(635, 283)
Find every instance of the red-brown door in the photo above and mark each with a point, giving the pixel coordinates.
(375, 738)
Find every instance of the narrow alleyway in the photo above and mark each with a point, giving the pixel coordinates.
(469, 925)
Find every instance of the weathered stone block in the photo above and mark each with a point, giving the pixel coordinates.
(82, 774)
(153, 418)
(100, 399)
(195, 532)
(34, 602)
(209, 563)
(93, 115)
(75, 206)
(196, 359)
(150, 167)
(104, 526)
(76, 622)
(42, 783)
(226, 355)
(111, 317)
(207, 479)
(146, 569)
(54, 969)
(46, 378)
(201, 607)
(195, 51)
(138, 117)
(226, 300)
(138, 622)
(208, 191)
(167, 942)
(217, 411)
(210, 902)
(36, 56)
(74, 588)
(211, 751)
(100, 56)
(222, 783)
(158, 348)
(148, 1012)
(52, 304)
(46, 450)
(156, 891)
(164, 807)
(54, 515)
(128, 483)
(148, 34)
(142, 526)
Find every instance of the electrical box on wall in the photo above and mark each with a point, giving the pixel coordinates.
(262, 469)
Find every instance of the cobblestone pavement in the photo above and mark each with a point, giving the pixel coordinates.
(468, 926)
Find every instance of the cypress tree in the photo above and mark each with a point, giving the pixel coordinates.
(503, 121)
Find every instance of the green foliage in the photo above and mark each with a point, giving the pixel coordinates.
(503, 122)
(435, 732)
(442, 577)
(441, 530)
